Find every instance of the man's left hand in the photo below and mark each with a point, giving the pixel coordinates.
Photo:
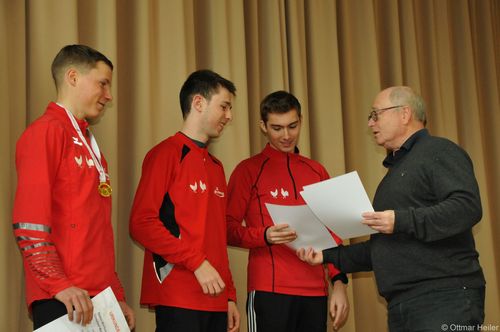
(233, 317)
(128, 313)
(339, 305)
(382, 222)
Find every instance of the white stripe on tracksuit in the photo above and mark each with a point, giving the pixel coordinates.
(251, 317)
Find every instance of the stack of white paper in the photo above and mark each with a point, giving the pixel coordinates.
(336, 203)
(311, 232)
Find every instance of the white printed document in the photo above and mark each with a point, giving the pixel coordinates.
(339, 202)
(310, 231)
(108, 317)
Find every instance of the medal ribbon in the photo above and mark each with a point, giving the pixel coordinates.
(95, 153)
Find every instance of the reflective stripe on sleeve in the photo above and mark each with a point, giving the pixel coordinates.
(37, 245)
(32, 227)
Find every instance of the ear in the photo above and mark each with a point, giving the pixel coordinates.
(197, 103)
(262, 126)
(71, 76)
(407, 114)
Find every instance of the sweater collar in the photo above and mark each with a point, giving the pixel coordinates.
(408, 144)
(393, 157)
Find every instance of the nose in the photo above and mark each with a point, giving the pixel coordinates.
(371, 122)
(229, 114)
(108, 94)
(286, 135)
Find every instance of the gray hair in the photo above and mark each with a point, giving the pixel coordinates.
(403, 95)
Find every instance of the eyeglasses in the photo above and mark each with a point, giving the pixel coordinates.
(374, 114)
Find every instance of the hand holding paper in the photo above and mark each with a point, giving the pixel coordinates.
(309, 230)
(310, 256)
(108, 317)
(382, 222)
(338, 204)
(280, 234)
(79, 299)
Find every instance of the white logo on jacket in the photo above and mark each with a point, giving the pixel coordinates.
(90, 162)
(79, 160)
(194, 187)
(76, 141)
(199, 187)
(284, 193)
(203, 186)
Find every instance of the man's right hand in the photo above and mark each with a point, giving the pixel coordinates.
(280, 234)
(310, 256)
(209, 279)
(77, 299)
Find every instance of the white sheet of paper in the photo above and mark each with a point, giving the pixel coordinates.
(310, 231)
(339, 202)
(108, 317)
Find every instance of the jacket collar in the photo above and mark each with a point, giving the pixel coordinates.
(272, 153)
(59, 112)
(192, 144)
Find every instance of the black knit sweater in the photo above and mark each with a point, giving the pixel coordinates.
(430, 184)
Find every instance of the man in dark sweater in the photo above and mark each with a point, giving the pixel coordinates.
(424, 258)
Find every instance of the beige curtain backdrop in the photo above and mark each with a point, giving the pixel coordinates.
(334, 55)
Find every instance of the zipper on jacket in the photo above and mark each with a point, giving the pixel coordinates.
(291, 176)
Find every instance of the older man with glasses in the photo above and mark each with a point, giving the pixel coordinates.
(424, 257)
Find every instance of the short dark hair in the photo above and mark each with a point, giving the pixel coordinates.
(278, 102)
(81, 56)
(204, 82)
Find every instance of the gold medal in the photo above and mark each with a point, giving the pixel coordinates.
(104, 189)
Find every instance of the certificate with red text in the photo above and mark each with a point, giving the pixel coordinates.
(108, 317)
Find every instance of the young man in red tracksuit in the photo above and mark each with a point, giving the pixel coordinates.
(179, 217)
(62, 209)
(284, 293)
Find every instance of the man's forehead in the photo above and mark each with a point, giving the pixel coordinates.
(223, 96)
(283, 118)
(101, 69)
(382, 97)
